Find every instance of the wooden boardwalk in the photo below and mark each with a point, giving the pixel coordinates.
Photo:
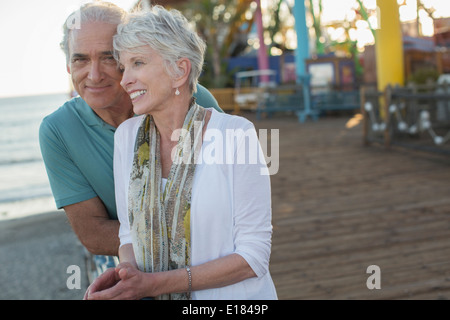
(339, 207)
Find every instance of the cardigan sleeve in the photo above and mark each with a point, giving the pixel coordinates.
(252, 225)
(120, 186)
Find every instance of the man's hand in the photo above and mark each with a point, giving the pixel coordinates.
(106, 280)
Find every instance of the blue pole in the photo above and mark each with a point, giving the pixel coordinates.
(301, 54)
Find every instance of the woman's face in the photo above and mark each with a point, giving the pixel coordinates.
(146, 80)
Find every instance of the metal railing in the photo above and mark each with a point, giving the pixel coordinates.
(415, 116)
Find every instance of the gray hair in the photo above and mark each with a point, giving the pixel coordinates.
(168, 33)
(98, 11)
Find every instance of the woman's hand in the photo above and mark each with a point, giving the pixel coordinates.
(125, 282)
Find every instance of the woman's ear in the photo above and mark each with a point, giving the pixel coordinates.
(184, 70)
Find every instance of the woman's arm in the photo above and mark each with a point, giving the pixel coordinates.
(135, 284)
(213, 274)
(126, 254)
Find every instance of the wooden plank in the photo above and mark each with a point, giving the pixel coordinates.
(339, 207)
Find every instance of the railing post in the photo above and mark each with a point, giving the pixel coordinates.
(362, 95)
(387, 118)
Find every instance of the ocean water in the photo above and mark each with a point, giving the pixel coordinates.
(24, 187)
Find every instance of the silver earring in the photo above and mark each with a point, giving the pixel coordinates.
(177, 93)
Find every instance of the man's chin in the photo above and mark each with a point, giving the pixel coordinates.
(105, 98)
(97, 102)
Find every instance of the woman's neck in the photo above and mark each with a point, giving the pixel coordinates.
(171, 119)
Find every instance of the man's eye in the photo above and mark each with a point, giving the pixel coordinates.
(79, 60)
(110, 59)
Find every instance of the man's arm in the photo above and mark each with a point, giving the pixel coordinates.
(91, 223)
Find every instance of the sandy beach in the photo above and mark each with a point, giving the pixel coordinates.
(35, 253)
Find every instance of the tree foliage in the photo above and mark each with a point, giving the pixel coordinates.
(224, 25)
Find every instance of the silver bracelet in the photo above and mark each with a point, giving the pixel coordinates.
(189, 282)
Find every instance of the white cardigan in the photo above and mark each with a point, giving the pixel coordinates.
(230, 205)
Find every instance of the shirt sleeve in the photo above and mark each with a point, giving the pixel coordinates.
(68, 184)
(120, 188)
(252, 203)
(205, 98)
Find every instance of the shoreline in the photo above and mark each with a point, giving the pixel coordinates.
(27, 207)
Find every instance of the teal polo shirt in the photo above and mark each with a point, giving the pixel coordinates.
(78, 148)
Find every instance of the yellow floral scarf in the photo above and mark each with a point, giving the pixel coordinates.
(160, 219)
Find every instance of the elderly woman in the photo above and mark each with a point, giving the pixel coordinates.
(195, 221)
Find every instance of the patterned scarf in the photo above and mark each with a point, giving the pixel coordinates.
(160, 219)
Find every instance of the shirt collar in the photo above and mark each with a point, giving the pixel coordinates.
(92, 119)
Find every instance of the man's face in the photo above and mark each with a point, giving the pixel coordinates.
(94, 71)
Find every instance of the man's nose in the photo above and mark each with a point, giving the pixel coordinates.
(95, 72)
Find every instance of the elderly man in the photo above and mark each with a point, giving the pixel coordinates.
(77, 139)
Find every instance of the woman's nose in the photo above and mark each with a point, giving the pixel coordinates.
(126, 79)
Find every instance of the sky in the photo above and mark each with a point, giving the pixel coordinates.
(30, 30)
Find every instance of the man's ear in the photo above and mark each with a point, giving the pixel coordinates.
(68, 68)
(184, 69)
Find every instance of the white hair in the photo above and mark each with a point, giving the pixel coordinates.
(168, 33)
(98, 11)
